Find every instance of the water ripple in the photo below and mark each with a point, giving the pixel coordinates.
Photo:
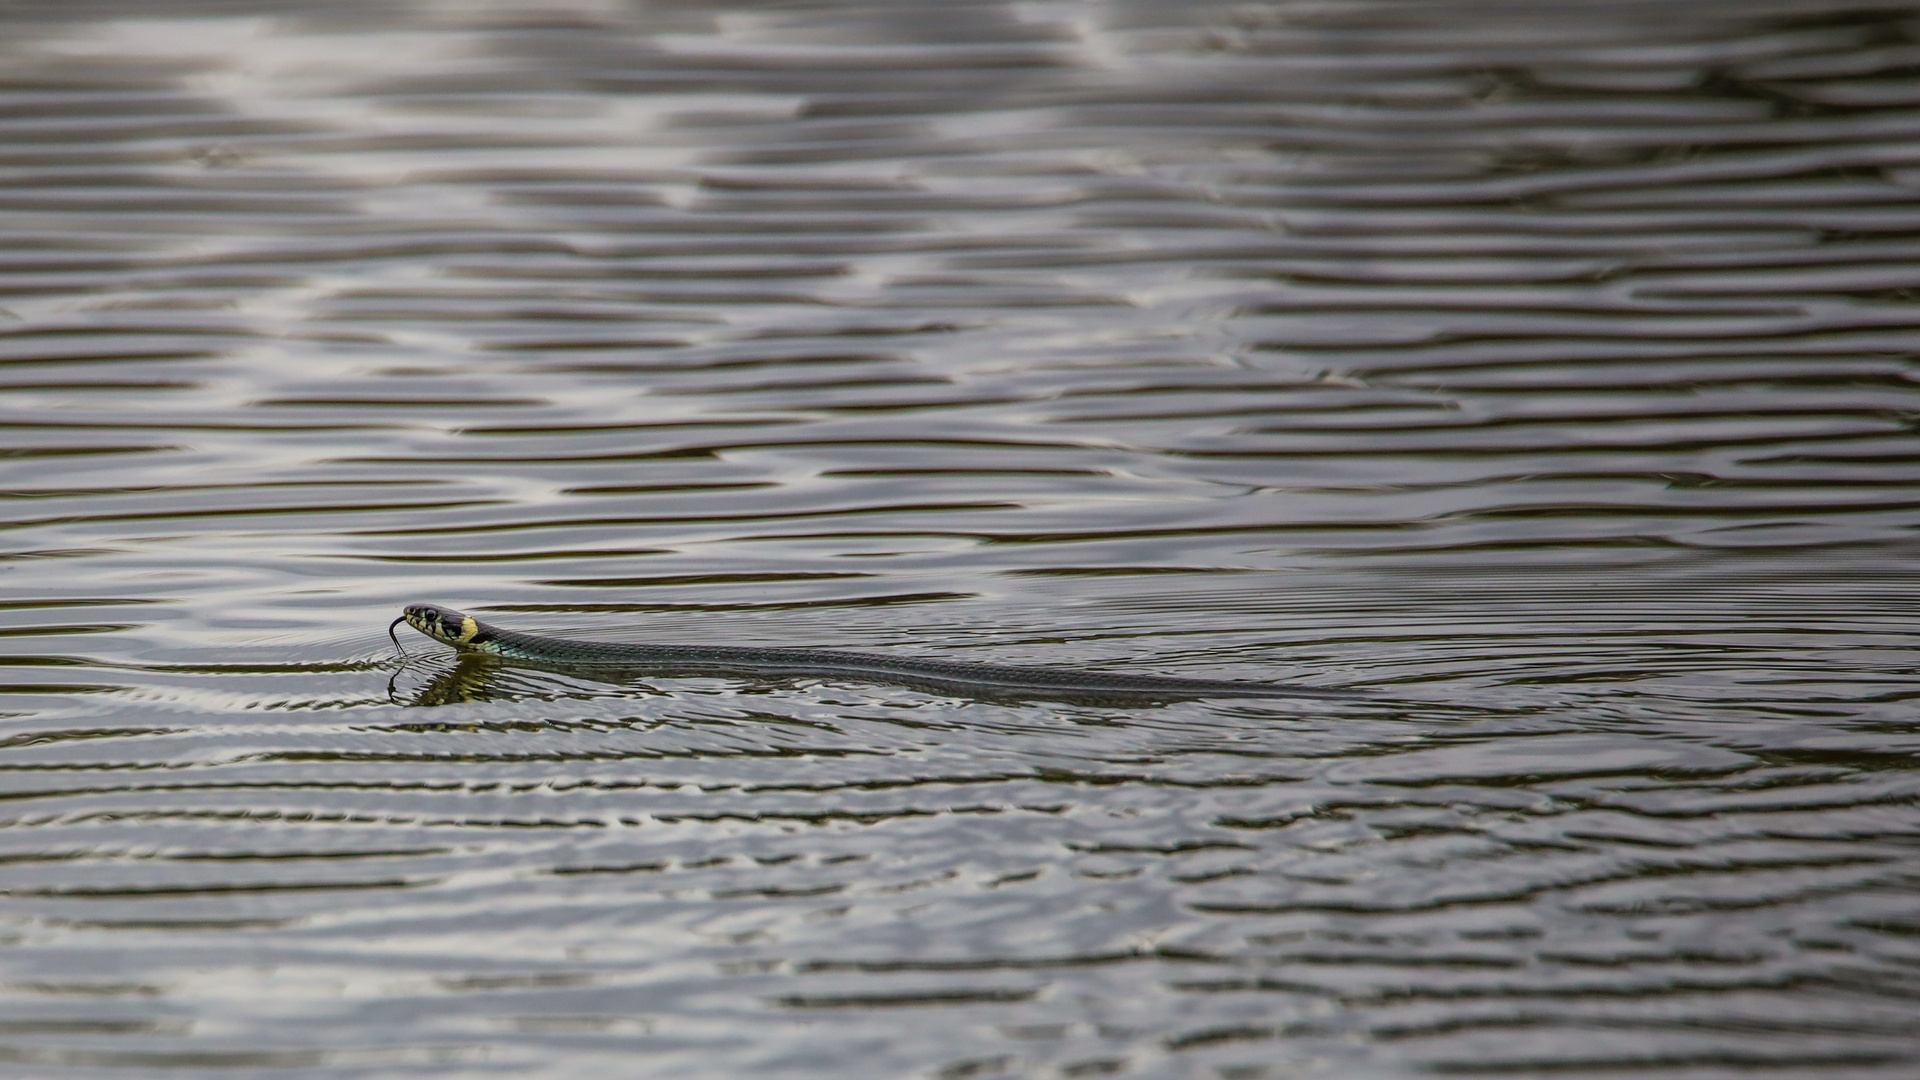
(1546, 369)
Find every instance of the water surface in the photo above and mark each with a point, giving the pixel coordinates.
(1546, 370)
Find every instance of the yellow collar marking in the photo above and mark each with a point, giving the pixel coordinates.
(468, 628)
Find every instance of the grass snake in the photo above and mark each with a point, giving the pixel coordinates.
(470, 635)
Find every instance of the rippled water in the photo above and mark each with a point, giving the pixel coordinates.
(1547, 370)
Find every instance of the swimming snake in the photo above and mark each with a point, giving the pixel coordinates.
(470, 635)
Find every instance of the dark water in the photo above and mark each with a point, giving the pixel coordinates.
(1547, 369)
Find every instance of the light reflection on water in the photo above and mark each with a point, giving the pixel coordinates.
(1545, 370)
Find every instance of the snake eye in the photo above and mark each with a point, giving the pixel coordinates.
(424, 616)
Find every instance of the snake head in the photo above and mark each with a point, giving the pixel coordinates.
(441, 624)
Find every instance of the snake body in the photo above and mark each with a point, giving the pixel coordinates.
(468, 634)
